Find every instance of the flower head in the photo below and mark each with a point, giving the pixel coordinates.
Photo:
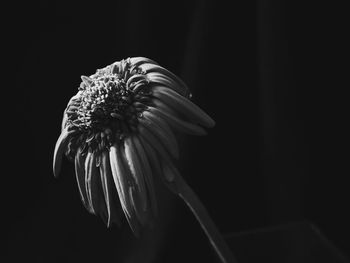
(118, 130)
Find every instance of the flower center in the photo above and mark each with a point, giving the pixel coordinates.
(105, 99)
(108, 104)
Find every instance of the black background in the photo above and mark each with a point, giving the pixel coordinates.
(271, 73)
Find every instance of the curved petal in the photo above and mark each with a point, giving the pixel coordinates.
(107, 183)
(160, 161)
(97, 195)
(152, 140)
(60, 148)
(155, 151)
(119, 178)
(161, 130)
(89, 172)
(134, 165)
(164, 112)
(148, 68)
(183, 105)
(159, 78)
(154, 160)
(148, 173)
(64, 120)
(136, 61)
(122, 182)
(137, 78)
(73, 103)
(80, 176)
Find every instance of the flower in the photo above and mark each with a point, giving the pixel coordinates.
(118, 130)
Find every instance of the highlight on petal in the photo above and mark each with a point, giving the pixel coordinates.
(80, 176)
(136, 61)
(119, 179)
(90, 169)
(110, 191)
(148, 67)
(133, 163)
(60, 148)
(64, 120)
(123, 182)
(97, 195)
(105, 177)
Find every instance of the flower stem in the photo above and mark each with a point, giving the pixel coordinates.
(207, 224)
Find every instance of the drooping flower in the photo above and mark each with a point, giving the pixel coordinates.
(118, 130)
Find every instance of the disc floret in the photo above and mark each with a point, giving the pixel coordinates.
(108, 102)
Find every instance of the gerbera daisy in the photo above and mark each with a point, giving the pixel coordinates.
(118, 130)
